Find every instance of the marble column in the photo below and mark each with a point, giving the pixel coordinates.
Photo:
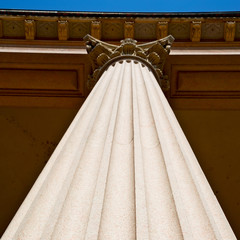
(124, 169)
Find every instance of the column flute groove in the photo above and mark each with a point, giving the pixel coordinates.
(218, 220)
(142, 226)
(65, 148)
(190, 204)
(96, 210)
(18, 220)
(73, 218)
(161, 206)
(119, 202)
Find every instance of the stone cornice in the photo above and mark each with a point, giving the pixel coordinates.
(152, 54)
(63, 27)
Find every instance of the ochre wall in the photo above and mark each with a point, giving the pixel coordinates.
(214, 138)
(28, 137)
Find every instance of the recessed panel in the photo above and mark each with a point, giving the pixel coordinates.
(208, 81)
(38, 79)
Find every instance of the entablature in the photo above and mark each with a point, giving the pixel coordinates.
(69, 28)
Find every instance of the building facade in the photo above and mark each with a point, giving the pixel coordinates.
(44, 79)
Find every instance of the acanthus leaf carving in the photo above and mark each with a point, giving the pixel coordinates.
(152, 54)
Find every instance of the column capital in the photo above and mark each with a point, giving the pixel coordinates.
(152, 54)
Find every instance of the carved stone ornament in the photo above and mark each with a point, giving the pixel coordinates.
(30, 29)
(129, 30)
(152, 54)
(195, 33)
(63, 32)
(162, 29)
(229, 31)
(96, 29)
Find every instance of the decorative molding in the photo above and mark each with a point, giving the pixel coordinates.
(129, 30)
(63, 28)
(145, 31)
(96, 30)
(162, 30)
(206, 80)
(13, 28)
(29, 81)
(42, 78)
(180, 30)
(45, 80)
(152, 54)
(229, 31)
(195, 33)
(212, 31)
(63, 32)
(30, 29)
(47, 29)
(112, 30)
(78, 29)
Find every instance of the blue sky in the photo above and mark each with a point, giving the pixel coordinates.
(124, 5)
